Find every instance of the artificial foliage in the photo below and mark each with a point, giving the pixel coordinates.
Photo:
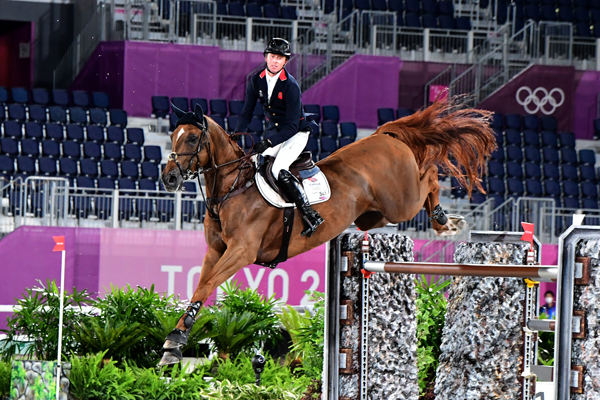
(431, 314)
(5, 372)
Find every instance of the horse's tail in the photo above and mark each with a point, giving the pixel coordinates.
(442, 133)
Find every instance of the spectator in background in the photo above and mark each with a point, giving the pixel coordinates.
(550, 307)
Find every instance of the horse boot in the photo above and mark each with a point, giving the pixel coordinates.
(293, 189)
(439, 215)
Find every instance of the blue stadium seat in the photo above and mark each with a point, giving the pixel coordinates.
(513, 121)
(118, 118)
(532, 12)
(57, 114)
(201, 102)
(181, 102)
(94, 133)
(17, 112)
(582, 29)
(129, 170)
(47, 166)
(446, 22)
(160, 106)
(348, 133)
(55, 132)
(253, 10)
(580, 3)
(258, 110)
(565, 14)
(71, 150)
(548, 123)
(92, 151)
(218, 107)
(100, 100)
(533, 171)
(551, 188)
(329, 129)
(514, 153)
(512, 137)
(590, 204)
(429, 7)
(98, 117)
(126, 184)
(514, 170)
(221, 8)
(496, 186)
(530, 122)
(132, 152)
(219, 120)
(313, 112)
(81, 98)
(498, 154)
(446, 8)
(531, 138)
(549, 139)
(568, 156)
(581, 14)
(172, 122)
(61, 97)
(236, 10)
(589, 190)
(19, 95)
(385, 115)
(75, 133)
(271, 11)
(135, 136)
(30, 148)
(312, 146)
(548, 13)
(77, 115)
(147, 185)
(412, 20)
(463, 23)
(114, 134)
(67, 167)
(256, 126)
(429, 21)
(149, 171)
(595, 15)
(570, 202)
(412, 6)
(7, 165)
(112, 151)
(33, 130)
(567, 139)
(550, 155)
(533, 188)
(569, 172)
(362, 4)
(236, 107)
(497, 121)
(514, 187)
(250, 141)
(570, 189)
(37, 113)
(153, 154)
(396, 6)
(25, 165)
(3, 95)
(551, 172)
(496, 169)
(289, 12)
(50, 149)
(379, 5)
(587, 157)
(40, 96)
(328, 145)
(588, 173)
(105, 182)
(13, 129)
(331, 113)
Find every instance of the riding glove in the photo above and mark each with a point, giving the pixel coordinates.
(262, 146)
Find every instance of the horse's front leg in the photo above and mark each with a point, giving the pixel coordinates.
(216, 269)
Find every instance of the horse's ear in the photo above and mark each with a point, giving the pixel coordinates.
(199, 113)
(178, 112)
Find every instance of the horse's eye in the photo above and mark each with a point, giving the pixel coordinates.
(192, 138)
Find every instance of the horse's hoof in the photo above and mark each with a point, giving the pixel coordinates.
(168, 358)
(455, 225)
(171, 344)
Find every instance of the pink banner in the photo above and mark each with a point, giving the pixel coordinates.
(172, 261)
(436, 91)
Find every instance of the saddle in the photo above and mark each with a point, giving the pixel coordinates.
(304, 167)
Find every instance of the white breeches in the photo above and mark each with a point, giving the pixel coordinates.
(287, 152)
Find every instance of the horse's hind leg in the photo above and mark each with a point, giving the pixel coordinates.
(442, 224)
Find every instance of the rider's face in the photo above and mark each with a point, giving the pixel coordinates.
(275, 62)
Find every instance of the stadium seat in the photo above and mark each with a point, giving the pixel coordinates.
(30, 148)
(396, 6)
(550, 155)
(271, 11)
(589, 190)
(57, 114)
(13, 129)
(55, 132)
(532, 12)
(129, 170)
(587, 157)
(132, 152)
(256, 126)
(331, 113)
(100, 100)
(313, 112)
(513, 121)
(570, 202)
(514, 153)
(412, 20)
(75, 133)
(236, 107)
(71, 150)
(582, 29)
(19, 95)
(202, 102)
(61, 97)
(588, 173)
(429, 21)
(551, 172)
(253, 10)
(595, 15)
(463, 23)
(105, 182)
(565, 14)
(25, 165)
(446, 22)
(114, 134)
(385, 115)
(251, 140)
(379, 5)
(7, 165)
(236, 10)
(47, 166)
(259, 111)
(172, 122)
(3, 95)
(40, 96)
(548, 123)
(153, 154)
(289, 12)
(180, 102)
(219, 120)
(530, 122)
(549, 139)
(126, 183)
(37, 113)
(118, 118)
(531, 138)
(329, 129)
(92, 151)
(81, 98)
(496, 169)
(135, 136)
(17, 112)
(590, 204)
(218, 107)
(512, 137)
(112, 151)
(446, 8)
(514, 170)
(533, 170)
(149, 171)
(403, 112)
(567, 139)
(496, 186)
(514, 187)
(568, 156)
(498, 154)
(98, 117)
(570, 189)
(551, 189)
(582, 15)
(160, 106)
(77, 115)
(569, 172)
(348, 133)
(67, 167)
(533, 188)
(94, 133)
(497, 122)
(50, 149)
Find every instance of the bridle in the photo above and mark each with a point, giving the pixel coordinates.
(204, 142)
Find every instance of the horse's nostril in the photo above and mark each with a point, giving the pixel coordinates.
(172, 180)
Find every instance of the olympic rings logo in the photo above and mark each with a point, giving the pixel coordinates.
(540, 99)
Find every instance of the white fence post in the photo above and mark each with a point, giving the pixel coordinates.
(177, 209)
(470, 43)
(597, 54)
(426, 55)
(249, 34)
(115, 208)
(294, 35)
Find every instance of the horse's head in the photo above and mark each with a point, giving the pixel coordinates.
(191, 148)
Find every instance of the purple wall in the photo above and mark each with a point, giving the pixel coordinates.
(359, 87)
(585, 103)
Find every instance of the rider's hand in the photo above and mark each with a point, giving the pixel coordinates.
(262, 146)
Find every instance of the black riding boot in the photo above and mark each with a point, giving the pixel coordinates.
(294, 190)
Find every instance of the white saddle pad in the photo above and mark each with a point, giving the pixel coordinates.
(316, 187)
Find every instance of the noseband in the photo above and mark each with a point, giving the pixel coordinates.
(204, 142)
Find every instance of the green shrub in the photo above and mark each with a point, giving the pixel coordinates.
(310, 339)
(431, 315)
(293, 321)
(5, 371)
(545, 345)
(226, 390)
(38, 320)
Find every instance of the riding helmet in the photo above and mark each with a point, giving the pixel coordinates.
(278, 46)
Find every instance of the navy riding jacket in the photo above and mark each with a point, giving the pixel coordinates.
(284, 114)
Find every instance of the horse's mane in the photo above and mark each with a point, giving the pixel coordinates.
(458, 140)
(239, 151)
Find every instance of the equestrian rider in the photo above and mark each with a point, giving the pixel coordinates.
(287, 128)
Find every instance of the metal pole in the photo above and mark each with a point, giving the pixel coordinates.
(177, 211)
(541, 325)
(115, 208)
(426, 44)
(60, 321)
(248, 34)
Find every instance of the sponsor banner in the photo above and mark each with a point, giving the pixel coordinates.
(540, 91)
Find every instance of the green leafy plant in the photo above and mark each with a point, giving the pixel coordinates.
(431, 314)
(114, 338)
(37, 319)
(545, 345)
(226, 390)
(5, 371)
(293, 321)
(310, 339)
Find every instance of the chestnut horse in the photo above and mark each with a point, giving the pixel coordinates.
(384, 178)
